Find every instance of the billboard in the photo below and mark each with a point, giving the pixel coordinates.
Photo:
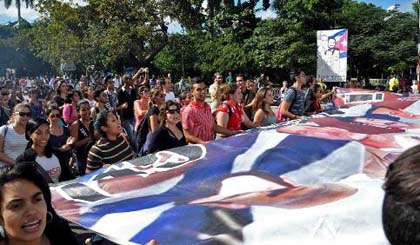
(332, 55)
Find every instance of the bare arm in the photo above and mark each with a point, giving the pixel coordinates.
(138, 110)
(259, 117)
(138, 73)
(222, 119)
(221, 130)
(284, 110)
(3, 157)
(245, 119)
(74, 132)
(192, 138)
(154, 123)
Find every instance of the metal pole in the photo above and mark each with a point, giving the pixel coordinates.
(418, 43)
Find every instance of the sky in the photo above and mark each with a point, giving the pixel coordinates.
(7, 15)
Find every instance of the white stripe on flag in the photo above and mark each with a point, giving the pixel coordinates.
(128, 223)
(266, 140)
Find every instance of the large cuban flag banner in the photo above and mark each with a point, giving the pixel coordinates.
(332, 55)
(312, 181)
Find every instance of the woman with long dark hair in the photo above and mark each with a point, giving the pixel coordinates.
(60, 139)
(25, 208)
(70, 108)
(83, 132)
(61, 93)
(170, 133)
(40, 151)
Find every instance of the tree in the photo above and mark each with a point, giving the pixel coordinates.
(28, 3)
(378, 44)
(111, 34)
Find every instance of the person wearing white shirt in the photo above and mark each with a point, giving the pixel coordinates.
(167, 89)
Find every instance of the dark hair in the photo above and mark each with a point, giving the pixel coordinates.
(142, 89)
(163, 109)
(182, 96)
(28, 171)
(107, 79)
(297, 73)
(59, 83)
(31, 127)
(154, 94)
(70, 96)
(82, 102)
(164, 80)
(57, 229)
(51, 109)
(316, 88)
(197, 80)
(241, 75)
(100, 121)
(97, 93)
(401, 205)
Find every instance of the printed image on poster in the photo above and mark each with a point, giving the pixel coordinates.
(332, 55)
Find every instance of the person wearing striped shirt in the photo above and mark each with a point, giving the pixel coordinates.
(112, 147)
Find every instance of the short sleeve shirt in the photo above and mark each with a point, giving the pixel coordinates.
(14, 143)
(235, 118)
(199, 120)
(170, 96)
(297, 100)
(51, 166)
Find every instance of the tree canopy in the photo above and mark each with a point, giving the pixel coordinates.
(218, 35)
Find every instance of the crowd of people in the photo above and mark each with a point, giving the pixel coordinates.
(135, 115)
(139, 117)
(66, 129)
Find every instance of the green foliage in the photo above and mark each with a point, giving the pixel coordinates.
(15, 56)
(225, 35)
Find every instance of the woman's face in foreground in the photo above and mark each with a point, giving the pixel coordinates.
(23, 211)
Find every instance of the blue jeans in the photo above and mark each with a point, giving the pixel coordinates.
(128, 127)
(81, 167)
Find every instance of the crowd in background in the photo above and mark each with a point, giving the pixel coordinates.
(65, 129)
(70, 128)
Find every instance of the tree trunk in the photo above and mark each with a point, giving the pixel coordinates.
(18, 9)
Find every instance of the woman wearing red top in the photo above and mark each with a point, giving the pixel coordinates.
(141, 106)
(230, 114)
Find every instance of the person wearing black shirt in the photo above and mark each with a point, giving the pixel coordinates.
(126, 97)
(170, 134)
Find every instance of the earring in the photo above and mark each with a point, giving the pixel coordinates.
(49, 217)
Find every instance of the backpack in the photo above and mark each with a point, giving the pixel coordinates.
(279, 116)
(229, 108)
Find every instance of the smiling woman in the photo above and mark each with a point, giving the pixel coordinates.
(26, 213)
(39, 150)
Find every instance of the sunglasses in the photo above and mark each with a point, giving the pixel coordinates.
(22, 114)
(172, 111)
(55, 115)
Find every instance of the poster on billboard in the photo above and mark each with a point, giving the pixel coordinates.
(332, 55)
